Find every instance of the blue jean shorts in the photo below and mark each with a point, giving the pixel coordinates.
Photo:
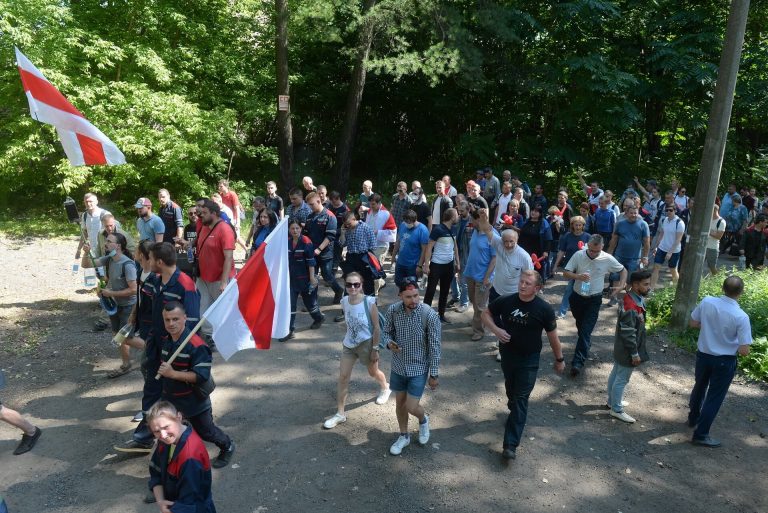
(661, 255)
(413, 385)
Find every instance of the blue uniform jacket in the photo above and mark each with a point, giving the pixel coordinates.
(179, 288)
(321, 226)
(186, 478)
(300, 258)
(195, 357)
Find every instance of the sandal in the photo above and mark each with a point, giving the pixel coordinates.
(120, 371)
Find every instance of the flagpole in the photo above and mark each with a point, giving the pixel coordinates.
(184, 343)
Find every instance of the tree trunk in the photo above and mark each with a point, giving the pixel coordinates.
(354, 98)
(687, 291)
(284, 127)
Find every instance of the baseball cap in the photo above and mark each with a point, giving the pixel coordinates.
(142, 202)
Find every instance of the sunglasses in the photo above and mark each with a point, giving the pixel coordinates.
(670, 210)
(355, 285)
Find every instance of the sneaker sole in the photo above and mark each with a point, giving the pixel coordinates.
(135, 450)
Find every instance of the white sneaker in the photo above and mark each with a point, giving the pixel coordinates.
(462, 308)
(383, 396)
(622, 416)
(334, 421)
(138, 417)
(401, 443)
(424, 431)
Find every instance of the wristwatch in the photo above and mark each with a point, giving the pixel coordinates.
(560, 360)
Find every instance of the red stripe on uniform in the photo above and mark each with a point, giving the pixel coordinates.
(44, 92)
(93, 151)
(257, 306)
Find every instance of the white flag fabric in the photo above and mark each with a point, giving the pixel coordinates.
(84, 144)
(256, 305)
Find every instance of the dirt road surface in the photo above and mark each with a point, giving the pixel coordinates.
(574, 456)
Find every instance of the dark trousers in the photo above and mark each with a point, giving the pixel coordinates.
(326, 269)
(713, 378)
(354, 262)
(442, 274)
(208, 431)
(404, 271)
(519, 379)
(153, 390)
(310, 301)
(585, 310)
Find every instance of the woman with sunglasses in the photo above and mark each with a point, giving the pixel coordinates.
(360, 342)
(301, 267)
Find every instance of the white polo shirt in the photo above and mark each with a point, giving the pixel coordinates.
(671, 228)
(724, 326)
(597, 268)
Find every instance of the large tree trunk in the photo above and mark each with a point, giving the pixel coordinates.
(284, 127)
(354, 98)
(687, 292)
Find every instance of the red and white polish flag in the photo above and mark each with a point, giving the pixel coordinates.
(84, 144)
(256, 305)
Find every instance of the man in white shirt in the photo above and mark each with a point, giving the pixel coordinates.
(502, 202)
(384, 229)
(667, 244)
(716, 231)
(588, 268)
(90, 226)
(725, 331)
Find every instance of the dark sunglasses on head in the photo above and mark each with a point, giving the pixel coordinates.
(353, 285)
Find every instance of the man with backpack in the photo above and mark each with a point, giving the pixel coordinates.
(716, 232)
(412, 332)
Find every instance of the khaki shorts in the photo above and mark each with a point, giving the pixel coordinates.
(362, 351)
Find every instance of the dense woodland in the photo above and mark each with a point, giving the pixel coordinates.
(187, 89)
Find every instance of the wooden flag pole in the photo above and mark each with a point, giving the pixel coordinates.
(184, 343)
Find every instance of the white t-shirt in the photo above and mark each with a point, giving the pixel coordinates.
(671, 228)
(597, 268)
(358, 327)
(715, 225)
(503, 204)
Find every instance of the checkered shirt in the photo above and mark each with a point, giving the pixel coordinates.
(300, 214)
(399, 207)
(416, 355)
(360, 240)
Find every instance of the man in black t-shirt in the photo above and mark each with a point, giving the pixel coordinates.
(522, 318)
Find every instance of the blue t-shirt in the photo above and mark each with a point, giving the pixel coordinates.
(631, 237)
(481, 251)
(410, 244)
(148, 229)
(604, 220)
(569, 243)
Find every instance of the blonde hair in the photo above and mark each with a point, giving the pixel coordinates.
(162, 409)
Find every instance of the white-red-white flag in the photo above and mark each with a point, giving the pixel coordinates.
(256, 305)
(84, 144)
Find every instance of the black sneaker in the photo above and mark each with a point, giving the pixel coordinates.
(28, 442)
(288, 337)
(575, 371)
(135, 446)
(452, 303)
(317, 324)
(509, 454)
(224, 457)
(149, 498)
(339, 318)
(100, 325)
(445, 321)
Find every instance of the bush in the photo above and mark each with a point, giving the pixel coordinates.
(754, 302)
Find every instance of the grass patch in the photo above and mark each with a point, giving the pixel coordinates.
(41, 224)
(754, 302)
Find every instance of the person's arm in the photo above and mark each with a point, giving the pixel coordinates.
(500, 333)
(427, 256)
(489, 272)
(376, 335)
(641, 188)
(627, 334)
(622, 281)
(422, 256)
(557, 351)
(129, 291)
(396, 248)
(193, 491)
(226, 269)
(613, 243)
(717, 234)
(559, 258)
(658, 238)
(694, 324)
(456, 262)
(434, 335)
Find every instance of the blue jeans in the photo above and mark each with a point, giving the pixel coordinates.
(325, 269)
(713, 378)
(585, 310)
(459, 290)
(617, 381)
(519, 379)
(630, 264)
(565, 304)
(404, 271)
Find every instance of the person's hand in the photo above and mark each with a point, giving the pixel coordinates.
(432, 383)
(86, 246)
(502, 335)
(425, 268)
(222, 286)
(165, 506)
(165, 371)
(666, 258)
(374, 356)
(559, 367)
(583, 277)
(487, 283)
(457, 269)
(105, 292)
(635, 361)
(393, 347)
(317, 251)
(77, 255)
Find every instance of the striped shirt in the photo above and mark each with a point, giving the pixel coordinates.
(417, 356)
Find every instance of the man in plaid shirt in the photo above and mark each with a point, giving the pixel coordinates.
(412, 332)
(359, 239)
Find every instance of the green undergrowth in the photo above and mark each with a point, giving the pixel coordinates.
(14, 225)
(754, 302)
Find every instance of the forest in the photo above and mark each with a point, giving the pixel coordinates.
(379, 89)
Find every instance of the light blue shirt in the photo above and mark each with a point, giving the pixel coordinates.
(724, 326)
(481, 252)
(148, 229)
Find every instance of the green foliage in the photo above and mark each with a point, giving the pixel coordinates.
(754, 302)
(50, 224)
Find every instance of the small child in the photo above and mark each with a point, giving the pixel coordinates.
(180, 471)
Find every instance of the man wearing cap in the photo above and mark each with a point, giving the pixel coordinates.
(149, 226)
(171, 215)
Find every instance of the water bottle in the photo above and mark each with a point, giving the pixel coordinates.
(89, 278)
(584, 287)
(121, 335)
(191, 255)
(742, 262)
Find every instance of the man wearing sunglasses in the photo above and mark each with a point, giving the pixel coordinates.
(668, 244)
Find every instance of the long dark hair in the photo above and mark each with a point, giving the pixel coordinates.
(123, 242)
(272, 220)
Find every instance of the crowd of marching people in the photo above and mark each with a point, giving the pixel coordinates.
(491, 248)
